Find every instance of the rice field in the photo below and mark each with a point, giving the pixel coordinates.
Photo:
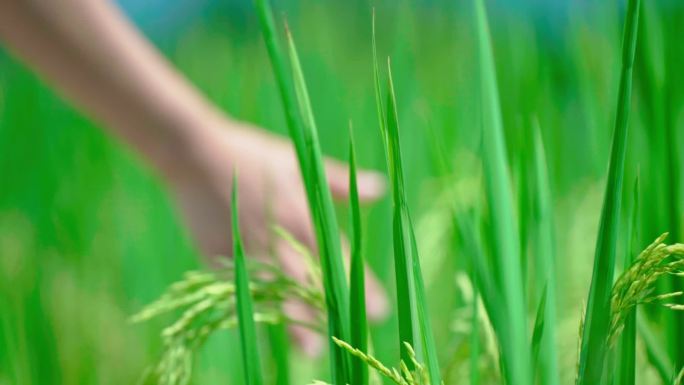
(528, 234)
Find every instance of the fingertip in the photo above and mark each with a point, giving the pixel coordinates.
(371, 185)
(377, 305)
(310, 342)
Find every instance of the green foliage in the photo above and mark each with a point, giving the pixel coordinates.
(597, 326)
(507, 273)
(245, 309)
(637, 284)
(417, 375)
(414, 323)
(545, 263)
(304, 134)
(626, 364)
(357, 286)
(87, 234)
(207, 301)
(280, 353)
(657, 353)
(538, 331)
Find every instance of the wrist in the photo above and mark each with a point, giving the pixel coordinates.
(184, 156)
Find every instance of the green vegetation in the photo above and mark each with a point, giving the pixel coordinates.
(497, 193)
(245, 309)
(357, 286)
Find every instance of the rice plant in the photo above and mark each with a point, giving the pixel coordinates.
(597, 320)
(508, 321)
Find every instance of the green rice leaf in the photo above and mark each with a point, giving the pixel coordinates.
(481, 271)
(414, 323)
(545, 271)
(475, 335)
(303, 131)
(284, 81)
(378, 89)
(402, 244)
(325, 224)
(627, 347)
(245, 312)
(357, 286)
(503, 227)
(679, 378)
(597, 321)
(538, 331)
(280, 348)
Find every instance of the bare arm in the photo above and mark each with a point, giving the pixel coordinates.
(92, 54)
(98, 60)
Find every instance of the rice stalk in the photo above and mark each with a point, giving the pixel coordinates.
(626, 370)
(403, 376)
(538, 331)
(357, 286)
(507, 271)
(335, 282)
(545, 258)
(207, 303)
(248, 338)
(414, 323)
(303, 131)
(280, 348)
(597, 323)
(475, 337)
(637, 284)
(677, 380)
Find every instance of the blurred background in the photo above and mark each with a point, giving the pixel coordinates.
(88, 234)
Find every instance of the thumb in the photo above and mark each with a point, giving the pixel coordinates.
(371, 184)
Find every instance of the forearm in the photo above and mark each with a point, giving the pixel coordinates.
(99, 61)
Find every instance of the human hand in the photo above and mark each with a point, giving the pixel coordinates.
(271, 193)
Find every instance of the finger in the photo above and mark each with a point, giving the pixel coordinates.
(377, 305)
(296, 219)
(291, 262)
(308, 340)
(371, 184)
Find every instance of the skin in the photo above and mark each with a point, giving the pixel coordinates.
(94, 57)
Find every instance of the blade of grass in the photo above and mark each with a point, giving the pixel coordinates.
(538, 331)
(593, 352)
(507, 271)
(414, 323)
(280, 349)
(245, 313)
(378, 89)
(669, 96)
(406, 320)
(335, 284)
(545, 261)
(481, 271)
(627, 347)
(525, 209)
(357, 286)
(475, 334)
(402, 245)
(302, 129)
(655, 88)
(674, 194)
(284, 82)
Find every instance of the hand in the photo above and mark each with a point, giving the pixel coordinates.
(270, 192)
